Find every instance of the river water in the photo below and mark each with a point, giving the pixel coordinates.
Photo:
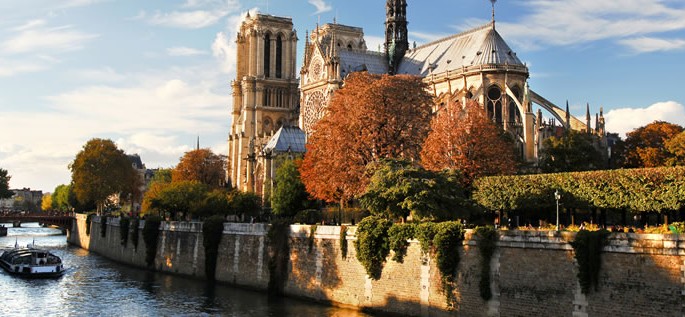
(96, 286)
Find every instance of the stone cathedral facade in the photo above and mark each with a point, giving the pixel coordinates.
(476, 64)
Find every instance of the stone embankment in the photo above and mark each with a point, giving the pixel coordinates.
(533, 273)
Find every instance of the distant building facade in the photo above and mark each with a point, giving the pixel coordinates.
(23, 199)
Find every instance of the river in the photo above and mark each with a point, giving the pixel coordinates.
(96, 286)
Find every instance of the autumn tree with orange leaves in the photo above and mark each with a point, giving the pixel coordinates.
(201, 165)
(372, 117)
(645, 146)
(463, 138)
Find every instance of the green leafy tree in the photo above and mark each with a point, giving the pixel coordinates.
(574, 151)
(245, 203)
(60, 198)
(399, 189)
(216, 202)
(99, 170)
(290, 195)
(5, 191)
(180, 198)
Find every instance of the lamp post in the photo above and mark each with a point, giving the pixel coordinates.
(557, 196)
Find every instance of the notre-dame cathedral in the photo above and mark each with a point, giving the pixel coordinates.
(274, 110)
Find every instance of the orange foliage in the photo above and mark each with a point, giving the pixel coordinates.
(645, 146)
(463, 138)
(200, 165)
(372, 117)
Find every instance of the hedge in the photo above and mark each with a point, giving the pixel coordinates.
(636, 190)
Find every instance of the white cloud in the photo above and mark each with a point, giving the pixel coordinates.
(426, 37)
(100, 75)
(14, 67)
(188, 20)
(321, 6)
(623, 120)
(205, 13)
(35, 37)
(650, 44)
(184, 51)
(561, 23)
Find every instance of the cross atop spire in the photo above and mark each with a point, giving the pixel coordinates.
(493, 10)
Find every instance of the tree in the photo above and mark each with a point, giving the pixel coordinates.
(180, 198)
(676, 147)
(215, 202)
(60, 198)
(160, 180)
(372, 117)
(5, 191)
(46, 202)
(463, 138)
(571, 152)
(290, 195)
(203, 166)
(645, 146)
(399, 189)
(245, 203)
(99, 170)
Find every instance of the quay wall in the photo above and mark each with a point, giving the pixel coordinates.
(533, 273)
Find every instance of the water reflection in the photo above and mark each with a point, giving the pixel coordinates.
(98, 287)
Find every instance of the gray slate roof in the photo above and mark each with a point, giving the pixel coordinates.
(351, 61)
(286, 138)
(479, 46)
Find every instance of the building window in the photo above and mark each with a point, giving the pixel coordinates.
(494, 108)
(267, 55)
(279, 56)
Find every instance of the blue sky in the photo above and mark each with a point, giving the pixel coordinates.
(153, 75)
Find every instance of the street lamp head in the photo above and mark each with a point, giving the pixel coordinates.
(557, 196)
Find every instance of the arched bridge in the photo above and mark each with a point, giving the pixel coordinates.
(62, 221)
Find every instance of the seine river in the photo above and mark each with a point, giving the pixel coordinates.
(98, 287)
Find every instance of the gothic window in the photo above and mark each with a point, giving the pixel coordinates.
(494, 108)
(280, 122)
(279, 56)
(514, 114)
(268, 125)
(267, 55)
(349, 46)
(314, 109)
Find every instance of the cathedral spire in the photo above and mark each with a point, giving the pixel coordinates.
(493, 12)
(588, 118)
(568, 117)
(396, 42)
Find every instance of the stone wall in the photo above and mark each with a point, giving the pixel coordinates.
(533, 273)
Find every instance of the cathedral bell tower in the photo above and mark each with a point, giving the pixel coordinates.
(265, 94)
(396, 42)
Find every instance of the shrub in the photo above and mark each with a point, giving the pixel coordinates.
(212, 229)
(308, 216)
(447, 241)
(588, 251)
(487, 239)
(103, 226)
(135, 224)
(372, 245)
(150, 236)
(343, 241)
(89, 219)
(279, 253)
(123, 230)
(425, 232)
(399, 236)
